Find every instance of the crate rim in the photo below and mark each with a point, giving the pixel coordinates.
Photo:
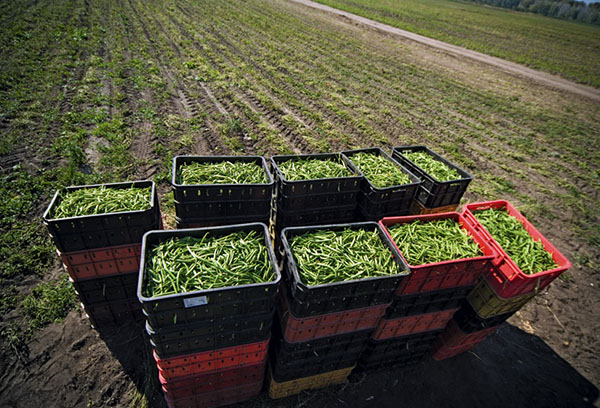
(250, 158)
(381, 152)
(404, 271)
(183, 232)
(464, 176)
(285, 157)
(46, 216)
(479, 240)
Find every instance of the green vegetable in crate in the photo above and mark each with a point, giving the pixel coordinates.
(433, 241)
(102, 200)
(529, 254)
(380, 171)
(333, 256)
(310, 169)
(224, 172)
(433, 167)
(180, 265)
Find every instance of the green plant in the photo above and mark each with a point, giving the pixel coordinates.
(49, 302)
(380, 171)
(223, 172)
(310, 169)
(102, 200)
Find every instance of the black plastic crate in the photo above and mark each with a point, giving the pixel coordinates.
(308, 367)
(102, 230)
(184, 223)
(185, 308)
(398, 361)
(212, 334)
(223, 209)
(433, 193)
(314, 202)
(114, 313)
(334, 297)
(186, 193)
(292, 189)
(374, 211)
(100, 290)
(469, 321)
(427, 302)
(330, 215)
(399, 351)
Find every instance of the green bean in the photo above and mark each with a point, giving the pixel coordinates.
(180, 265)
(433, 167)
(327, 256)
(529, 254)
(310, 169)
(102, 200)
(380, 171)
(433, 241)
(224, 172)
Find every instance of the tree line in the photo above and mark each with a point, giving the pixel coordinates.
(568, 10)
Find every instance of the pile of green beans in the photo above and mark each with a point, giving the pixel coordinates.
(433, 241)
(180, 265)
(102, 200)
(433, 167)
(224, 172)
(310, 169)
(327, 256)
(529, 254)
(380, 171)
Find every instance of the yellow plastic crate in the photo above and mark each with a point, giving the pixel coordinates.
(293, 387)
(488, 303)
(419, 209)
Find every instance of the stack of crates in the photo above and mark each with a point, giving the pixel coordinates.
(101, 254)
(324, 329)
(220, 204)
(211, 345)
(500, 292)
(433, 196)
(375, 203)
(425, 301)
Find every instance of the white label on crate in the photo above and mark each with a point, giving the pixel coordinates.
(196, 301)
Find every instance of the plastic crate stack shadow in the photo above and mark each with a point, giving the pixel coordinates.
(324, 329)
(433, 196)
(210, 346)
(221, 204)
(375, 203)
(101, 254)
(424, 302)
(500, 292)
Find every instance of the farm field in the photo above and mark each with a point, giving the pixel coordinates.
(559, 47)
(111, 90)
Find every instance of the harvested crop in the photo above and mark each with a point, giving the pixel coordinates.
(380, 171)
(433, 167)
(102, 200)
(433, 241)
(310, 169)
(224, 172)
(529, 254)
(327, 256)
(180, 265)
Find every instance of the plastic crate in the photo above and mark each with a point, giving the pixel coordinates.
(314, 366)
(390, 352)
(217, 398)
(211, 361)
(323, 201)
(467, 319)
(185, 308)
(374, 211)
(297, 329)
(433, 193)
(418, 208)
(114, 313)
(187, 223)
(187, 386)
(75, 234)
(102, 290)
(189, 193)
(403, 360)
(390, 328)
(210, 335)
(488, 303)
(453, 336)
(506, 278)
(428, 302)
(446, 274)
(329, 215)
(102, 262)
(441, 352)
(292, 387)
(222, 209)
(309, 300)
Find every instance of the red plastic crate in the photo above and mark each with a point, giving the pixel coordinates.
(212, 361)
(102, 262)
(181, 387)
(453, 336)
(446, 274)
(389, 328)
(442, 352)
(217, 398)
(505, 277)
(297, 329)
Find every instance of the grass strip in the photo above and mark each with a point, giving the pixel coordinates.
(433, 167)
(225, 172)
(380, 171)
(102, 200)
(310, 169)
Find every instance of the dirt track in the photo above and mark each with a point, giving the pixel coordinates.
(511, 67)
